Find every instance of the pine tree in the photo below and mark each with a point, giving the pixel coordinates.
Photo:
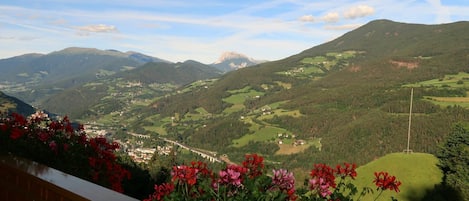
(454, 160)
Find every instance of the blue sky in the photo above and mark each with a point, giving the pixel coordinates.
(178, 30)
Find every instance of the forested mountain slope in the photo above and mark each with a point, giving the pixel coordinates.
(347, 100)
(115, 92)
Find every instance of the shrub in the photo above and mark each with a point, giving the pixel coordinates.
(57, 144)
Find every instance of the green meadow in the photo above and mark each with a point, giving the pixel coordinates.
(418, 173)
(238, 98)
(315, 67)
(261, 133)
(460, 80)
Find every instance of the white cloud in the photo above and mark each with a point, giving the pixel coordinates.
(331, 17)
(442, 12)
(6, 38)
(343, 27)
(265, 29)
(359, 11)
(307, 18)
(98, 28)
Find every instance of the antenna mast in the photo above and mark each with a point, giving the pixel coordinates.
(408, 151)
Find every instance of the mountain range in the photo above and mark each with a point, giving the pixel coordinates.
(35, 78)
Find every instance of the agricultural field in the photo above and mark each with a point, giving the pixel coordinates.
(199, 114)
(262, 131)
(288, 146)
(460, 80)
(449, 101)
(198, 84)
(157, 124)
(313, 67)
(238, 98)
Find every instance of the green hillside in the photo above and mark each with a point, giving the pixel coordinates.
(343, 101)
(418, 173)
(11, 104)
(179, 74)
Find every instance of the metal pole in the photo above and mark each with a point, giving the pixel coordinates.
(410, 120)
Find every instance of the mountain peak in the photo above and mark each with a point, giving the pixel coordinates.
(229, 61)
(82, 50)
(231, 55)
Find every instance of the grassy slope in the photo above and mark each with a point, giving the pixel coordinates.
(417, 172)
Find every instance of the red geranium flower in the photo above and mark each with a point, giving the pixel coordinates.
(16, 133)
(255, 164)
(19, 119)
(184, 174)
(385, 181)
(347, 170)
(161, 191)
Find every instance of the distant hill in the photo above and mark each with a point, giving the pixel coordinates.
(229, 61)
(10, 104)
(34, 76)
(175, 73)
(114, 93)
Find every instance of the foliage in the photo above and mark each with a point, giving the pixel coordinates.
(58, 144)
(454, 160)
(250, 181)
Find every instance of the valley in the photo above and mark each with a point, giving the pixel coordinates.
(346, 100)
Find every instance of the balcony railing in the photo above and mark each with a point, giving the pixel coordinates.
(22, 179)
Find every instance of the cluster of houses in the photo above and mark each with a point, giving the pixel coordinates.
(133, 148)
(143, 155)
(283, 136)
(95, 130)
(295, 71)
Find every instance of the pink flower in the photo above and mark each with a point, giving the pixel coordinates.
(232, 175)
(283, 179)
(322, 179)
(321, 186)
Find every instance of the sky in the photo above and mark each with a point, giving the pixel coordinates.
(201, 30)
